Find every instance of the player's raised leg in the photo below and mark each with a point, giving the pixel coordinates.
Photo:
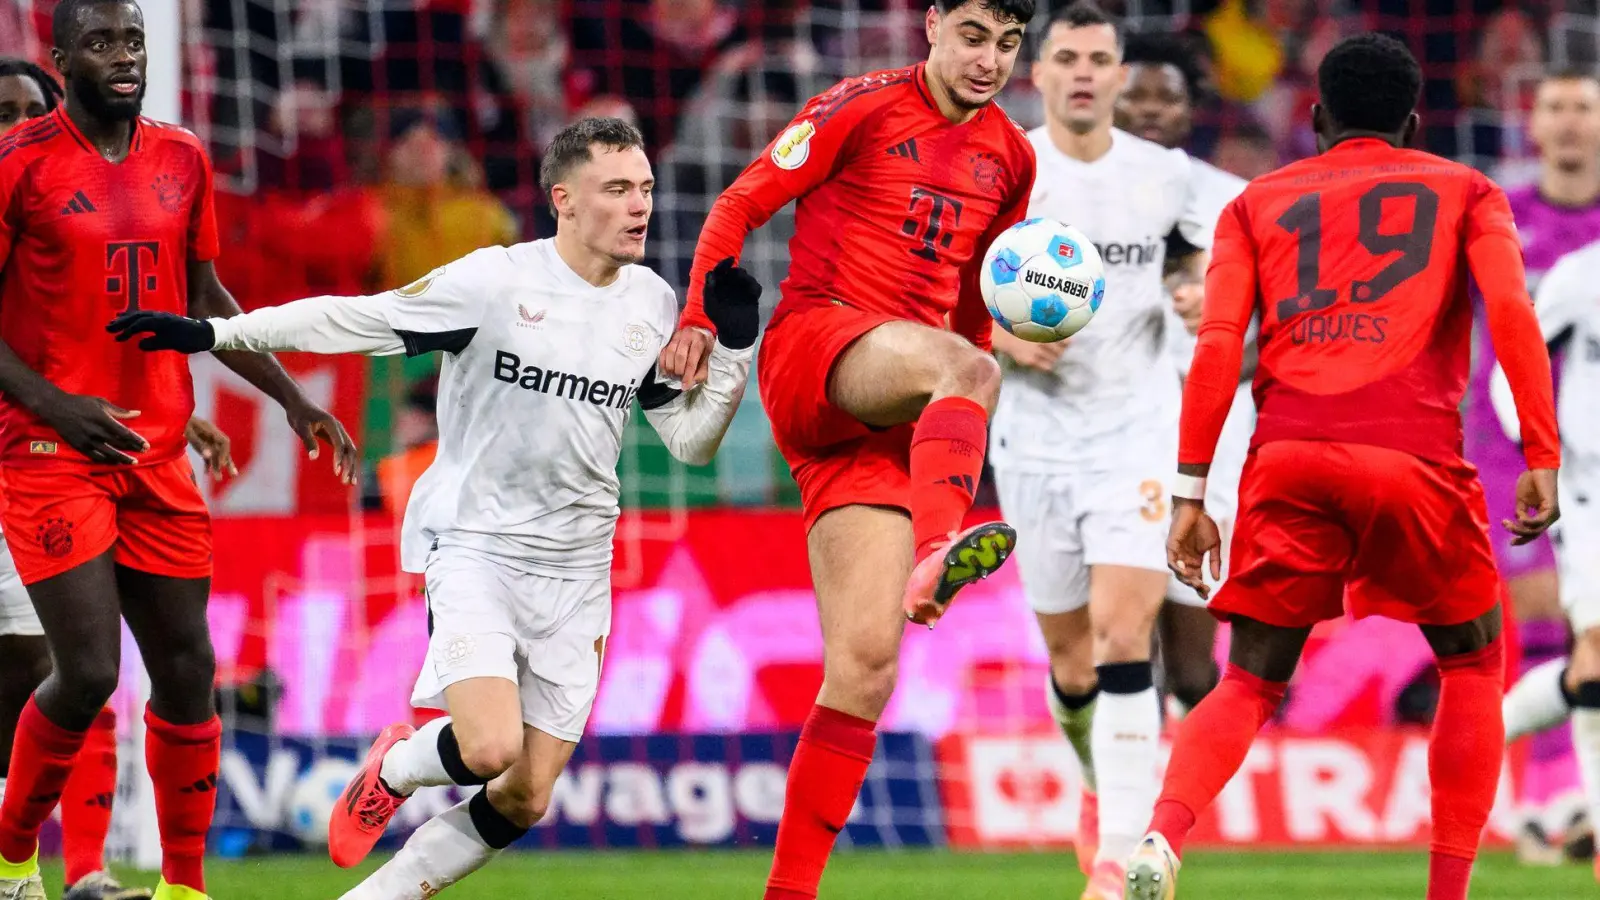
(901, 372)
(460, 840)
(860, 559)
(481, 739)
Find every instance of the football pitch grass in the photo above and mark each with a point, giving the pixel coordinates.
(718, 875)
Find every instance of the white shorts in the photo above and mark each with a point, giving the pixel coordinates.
(1222, 485)
(16, 610)
(1071, 521)
(1577, 543)
(490, 620)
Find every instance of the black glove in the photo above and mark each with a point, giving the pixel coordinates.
(168, 331)
(733, 304)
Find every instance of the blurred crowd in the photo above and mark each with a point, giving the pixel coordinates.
(361, 143)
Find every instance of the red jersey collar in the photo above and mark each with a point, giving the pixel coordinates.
(920, 71)
(66, 122)
(1360, 143)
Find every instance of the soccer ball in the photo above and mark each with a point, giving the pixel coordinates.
(314, 796)
(1042, 280)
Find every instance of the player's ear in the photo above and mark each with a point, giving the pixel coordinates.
(931, 24)
(1408, 133)
(1319, 120)
(58, 58)
(560, 201)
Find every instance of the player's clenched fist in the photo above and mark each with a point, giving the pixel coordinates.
(732, 303)
(1537, 506)
(168, 331)
(1194, 535)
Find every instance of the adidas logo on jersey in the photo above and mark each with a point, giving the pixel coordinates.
(907, 149)
(508, 368)
(79, 203)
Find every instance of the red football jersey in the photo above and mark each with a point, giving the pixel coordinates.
(81, 240)
(897, 205)
(1357, 262)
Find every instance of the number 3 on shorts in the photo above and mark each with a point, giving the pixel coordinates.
(1154, 508)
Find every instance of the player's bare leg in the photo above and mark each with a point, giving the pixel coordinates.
(1071, 694)
(860, 558)
(183, 736)
(1126, 734)
(480, 740)
(902, 372)
(462, 839)
(79, 612)
(1583, 686)
(1188, 652)
(24, 662)
(1211, 745)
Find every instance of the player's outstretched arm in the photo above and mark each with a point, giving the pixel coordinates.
(208, 298)
(692, 423)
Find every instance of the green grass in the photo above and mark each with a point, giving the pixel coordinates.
(720, 875)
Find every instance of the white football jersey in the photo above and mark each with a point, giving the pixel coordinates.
(1213, 189)
(1568, 305)
(1116, 378)
(532, 405)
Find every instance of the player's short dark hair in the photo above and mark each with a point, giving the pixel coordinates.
(10, 67)
(64, 20)
(1166, 50)
(1085, 14)
(571, 148)
(1569, 73)
(1369, 82)
(1005, 10)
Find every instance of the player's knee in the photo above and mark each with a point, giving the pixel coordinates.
(86, 686)
(973, 374)
(1073, 673)
(523, 803)
(868, 678)
(1191, 681)
(489, 755)
(1118, 642)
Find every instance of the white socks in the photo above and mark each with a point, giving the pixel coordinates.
(1536, 702)
(1126, 742)
(415, 762)
(1075, 715)
(446, 849)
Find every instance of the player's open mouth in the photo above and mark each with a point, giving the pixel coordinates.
(1081, 96)
(126, 85)
(980, 86)
(637, 231)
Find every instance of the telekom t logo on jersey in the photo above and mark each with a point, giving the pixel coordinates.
(131, 270)
(926, 221)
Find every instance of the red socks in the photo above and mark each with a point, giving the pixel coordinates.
(824, 778)
(1464, 756)
(947, 449)
(41, 758)
(1211, 746)
(183, 762)
(87, 798)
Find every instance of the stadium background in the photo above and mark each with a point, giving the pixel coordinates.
(360, 143)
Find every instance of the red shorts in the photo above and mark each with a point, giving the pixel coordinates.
(835, 458)
(1323, 523)
(60, 517)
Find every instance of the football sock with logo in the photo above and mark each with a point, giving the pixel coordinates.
(1586, 743)
(825, 776)
(446, 849)
(1074, 713)
(429, 758)
(1211, 745)
(1539, 700)
(946, 460)
(86, 800)
(1125, 742)
(41, 759)
(183, 762)
(1464, 755)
